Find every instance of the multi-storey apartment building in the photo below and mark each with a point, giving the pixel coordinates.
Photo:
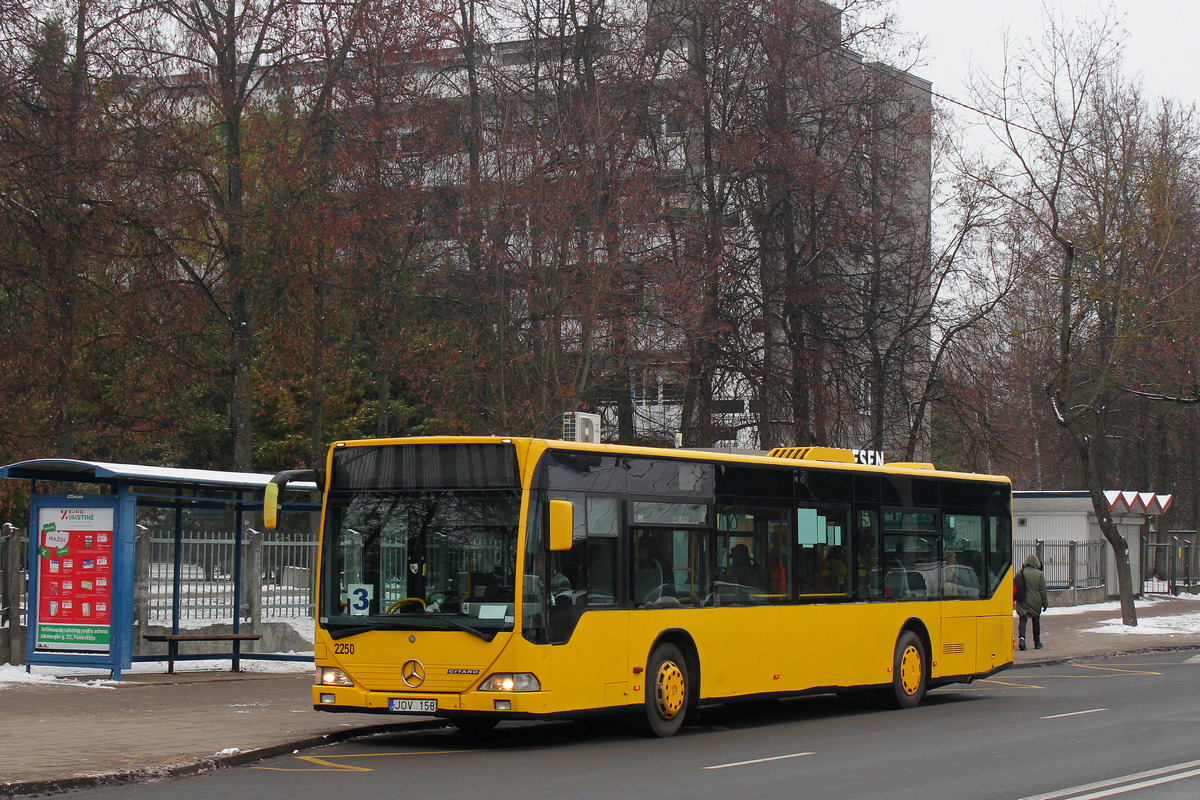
(709, 223)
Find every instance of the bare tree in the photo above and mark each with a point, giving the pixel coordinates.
(1078, 176)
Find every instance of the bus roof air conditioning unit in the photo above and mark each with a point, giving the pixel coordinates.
(580, 427)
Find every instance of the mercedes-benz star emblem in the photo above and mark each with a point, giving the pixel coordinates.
(412, 673)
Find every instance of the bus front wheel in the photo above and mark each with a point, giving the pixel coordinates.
(910, 671)
(667, 691)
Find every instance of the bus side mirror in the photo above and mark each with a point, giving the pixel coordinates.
(271, 493)
(562, 525)
(271, 506)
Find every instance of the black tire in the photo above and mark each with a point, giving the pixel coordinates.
(475, 726)
(910, 672)
(668, 691)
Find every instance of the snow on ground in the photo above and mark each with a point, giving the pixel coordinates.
(1162, 622)
(305, 626)
(1154, 616)
(1172, 624)
(1113, 605)
(82, 676)
(97, 678)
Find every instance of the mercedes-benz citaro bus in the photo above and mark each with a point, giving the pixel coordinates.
(481, 579)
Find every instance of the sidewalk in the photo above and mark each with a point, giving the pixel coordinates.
(66, 734)
(1095, 631)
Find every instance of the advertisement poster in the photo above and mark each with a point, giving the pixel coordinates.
(75, 578)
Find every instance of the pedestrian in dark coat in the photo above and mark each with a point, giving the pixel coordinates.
(1034, 602)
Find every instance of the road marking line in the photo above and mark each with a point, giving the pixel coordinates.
(1074, 713)
(320, 762)
(757, 761)
(1014, 685)
(1133, 787)
(331, 763)
(1121, 671)
(1113, 786)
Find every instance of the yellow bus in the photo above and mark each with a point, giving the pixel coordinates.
(486, 578)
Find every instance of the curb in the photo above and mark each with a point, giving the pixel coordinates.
(205, 764)
(211, 763)
(1055, 661)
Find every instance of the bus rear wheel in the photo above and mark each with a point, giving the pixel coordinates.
(910, 671)
(667, 691)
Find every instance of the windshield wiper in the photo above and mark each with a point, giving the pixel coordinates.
(341, 632)
(416, 623)
(486, 636)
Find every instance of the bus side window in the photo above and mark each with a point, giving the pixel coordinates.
(962, 545)
(603, 526)
(653, 567)
(821, 569)
(671, 567)
(585, 574)
(601, 570)
(753, 554)
(568, 576)
(912, 555)
(867, 580)
(999, 544)
(566, 591)
(568, 581)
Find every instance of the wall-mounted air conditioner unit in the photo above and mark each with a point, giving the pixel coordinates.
(580, 427)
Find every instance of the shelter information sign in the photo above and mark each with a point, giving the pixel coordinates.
(75, 559)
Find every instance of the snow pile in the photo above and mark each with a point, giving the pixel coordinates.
(1154, 616)
(10, 675)
(1171, 625)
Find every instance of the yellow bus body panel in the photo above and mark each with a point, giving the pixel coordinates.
(742, 651)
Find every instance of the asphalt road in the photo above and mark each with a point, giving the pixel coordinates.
(1127, 728)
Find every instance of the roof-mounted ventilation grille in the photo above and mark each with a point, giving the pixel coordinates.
(835, 454)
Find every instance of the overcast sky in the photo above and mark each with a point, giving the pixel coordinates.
(1162, 38)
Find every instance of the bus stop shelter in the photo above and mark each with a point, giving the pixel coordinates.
(122, 555)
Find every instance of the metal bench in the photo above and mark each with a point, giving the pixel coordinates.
(173, 640)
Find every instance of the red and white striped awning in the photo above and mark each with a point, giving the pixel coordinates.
(1138, 502)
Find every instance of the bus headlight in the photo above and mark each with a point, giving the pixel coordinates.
(331, 676)
(511, 682)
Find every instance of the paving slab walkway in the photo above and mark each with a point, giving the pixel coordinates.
(67, 734)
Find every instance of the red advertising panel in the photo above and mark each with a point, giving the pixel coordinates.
(75, 578)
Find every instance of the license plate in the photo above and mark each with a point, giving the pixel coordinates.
(419, 706)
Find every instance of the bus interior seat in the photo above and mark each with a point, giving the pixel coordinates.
(477, 585)
(647, 584)
(961, 581)
(972, 560)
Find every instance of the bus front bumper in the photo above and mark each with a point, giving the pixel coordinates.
(509, 705)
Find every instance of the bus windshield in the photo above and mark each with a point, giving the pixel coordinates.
(420, 560)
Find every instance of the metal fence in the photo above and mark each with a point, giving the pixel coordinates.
(1171, 567)
(1067, 565)
(202, 572)
(13, 579)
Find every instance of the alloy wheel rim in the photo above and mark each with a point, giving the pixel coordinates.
(910, 670)
(669, 689)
